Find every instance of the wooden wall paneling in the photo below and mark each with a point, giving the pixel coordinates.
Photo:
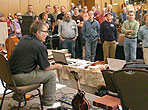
(105, 2)
(65, 3)
(23, 5)
(35, 4)
(117, 6)
(4, 7)
(82, 3)
(14, 6)
(56, 2)
(75, 1)
(89, 4)
(42, 4)
(68, 4)
(98, 2)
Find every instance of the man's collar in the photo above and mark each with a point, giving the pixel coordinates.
(91, 21)
(146, 26)
(29, 37)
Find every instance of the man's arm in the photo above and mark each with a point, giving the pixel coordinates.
(84, 30)
(55, 66)
(116, 33)
(124, 30)
(98, 30)
(101, 32)
(60, 31)
(136, 27)
(76, 27)
(53, 25)
(140, 37)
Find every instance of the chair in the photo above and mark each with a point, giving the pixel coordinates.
(140, 65)
(110, 86)
(107, 75)
(132, 86)
(6, 77)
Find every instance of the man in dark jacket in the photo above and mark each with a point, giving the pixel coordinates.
(108, 35)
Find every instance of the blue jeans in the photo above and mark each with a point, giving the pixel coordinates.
(130, 48)
(90, 50)
(70, 45)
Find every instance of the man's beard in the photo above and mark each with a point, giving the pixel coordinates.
(67, 19)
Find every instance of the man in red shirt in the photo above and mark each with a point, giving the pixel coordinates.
(100, 18)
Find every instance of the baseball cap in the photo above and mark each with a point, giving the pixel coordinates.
(85, 7)
(108, 13)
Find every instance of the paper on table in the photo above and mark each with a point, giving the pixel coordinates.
(115, 64)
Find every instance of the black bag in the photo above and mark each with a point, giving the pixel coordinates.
(102, 91)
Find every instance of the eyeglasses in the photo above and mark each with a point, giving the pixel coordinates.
(44, 31)
(131, 15)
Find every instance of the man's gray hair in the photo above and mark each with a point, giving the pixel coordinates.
(36, 26)
(90, 13)
(109, 5)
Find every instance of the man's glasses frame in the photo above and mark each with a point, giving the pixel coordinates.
(44, 31)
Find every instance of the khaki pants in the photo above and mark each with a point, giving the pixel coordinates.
(47, 78)
(109, 49)
(145, 55)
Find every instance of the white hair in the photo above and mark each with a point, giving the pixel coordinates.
(109, 5)
(90, 13)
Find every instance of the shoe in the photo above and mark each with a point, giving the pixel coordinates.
(55, 106)
(17, 97)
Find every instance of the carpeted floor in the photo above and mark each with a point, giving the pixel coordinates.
(34, 104)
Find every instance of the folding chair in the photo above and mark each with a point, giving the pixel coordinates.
(9, 84)
(132, 87)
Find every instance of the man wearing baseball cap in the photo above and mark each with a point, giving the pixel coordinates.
(108, 35)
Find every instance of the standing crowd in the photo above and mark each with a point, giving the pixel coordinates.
(73, 27)
(77, 27)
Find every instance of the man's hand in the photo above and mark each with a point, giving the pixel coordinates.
(74, 38)
(61, 38)
(129, 31)
(55, 66)
(58, 66)
(58, 21)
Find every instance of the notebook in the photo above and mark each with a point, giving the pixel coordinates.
(115, 64)
(60, 57)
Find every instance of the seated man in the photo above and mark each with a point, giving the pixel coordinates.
(29, 54)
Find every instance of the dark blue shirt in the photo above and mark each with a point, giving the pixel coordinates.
(108, 31)
(29, 53)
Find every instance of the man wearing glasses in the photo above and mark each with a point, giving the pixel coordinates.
(130, 28)
(29, 54)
